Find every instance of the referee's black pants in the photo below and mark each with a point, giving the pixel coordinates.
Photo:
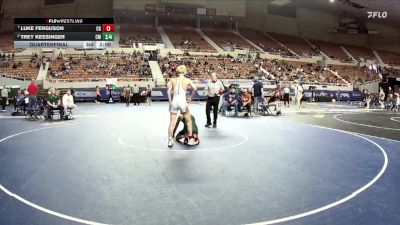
(4, 103)
(212, 102)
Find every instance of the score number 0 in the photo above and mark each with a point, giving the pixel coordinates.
(108, 27)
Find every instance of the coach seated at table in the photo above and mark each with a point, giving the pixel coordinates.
(54, 103)
(68, 101)
(245, 101)
(231, 99)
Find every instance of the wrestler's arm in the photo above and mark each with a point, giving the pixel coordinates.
(169, 85)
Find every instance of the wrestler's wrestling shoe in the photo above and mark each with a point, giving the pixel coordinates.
(171, 142)
(191, 141)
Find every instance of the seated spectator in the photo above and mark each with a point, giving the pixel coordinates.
(274, 98)
(274, 102)
(19, 100)
(54, 103)
(231, 99)
(68, 101)
(245, 101)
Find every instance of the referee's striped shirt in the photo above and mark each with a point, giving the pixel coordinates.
(213, 89)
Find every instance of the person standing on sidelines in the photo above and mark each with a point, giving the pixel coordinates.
(4, 97)
(286, 95)
(382, 98)
(127, 94)
(135, 91)
(97, 94)
(33, 91)
(149, 90)
(367, 97)
(299, 94)
(257, 93)
(397, 101)
(214, 90)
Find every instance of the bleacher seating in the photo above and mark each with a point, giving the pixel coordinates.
(355, 74)
(331, 50)
(21, 70)
(298, 45)
(131, 34)
(301, 71)
(391, 72)
(187, 39)
(227, 39)
(7, 43)
(239, 68)
(391, 58)
(264, 42)
(94, 67)
(360, 52)
(202, 66)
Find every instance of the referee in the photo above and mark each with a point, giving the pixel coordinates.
(214, 89)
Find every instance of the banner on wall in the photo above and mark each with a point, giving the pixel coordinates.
(89, 94)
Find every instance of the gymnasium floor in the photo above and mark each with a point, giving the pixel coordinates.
(325, 164)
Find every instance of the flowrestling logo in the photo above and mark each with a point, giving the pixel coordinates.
(380, 15)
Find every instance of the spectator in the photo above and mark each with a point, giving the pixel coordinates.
(382, 98)
(286, 95)
(109, 88)
(127, 94)
(298, 94)
(68, 101)
(19, 100)
(97, 94)
(274, 101)
(231, 100)
(149, 90)
(4, 97)
(245, 101)
(72, 92)
(397, 100)
(32, 90)
(274, 97)
(54, 103)
(257, 92)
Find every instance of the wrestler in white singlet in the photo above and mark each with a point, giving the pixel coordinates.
(179, 98)
(177, 103)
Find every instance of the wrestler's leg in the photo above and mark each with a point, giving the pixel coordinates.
(172, 123)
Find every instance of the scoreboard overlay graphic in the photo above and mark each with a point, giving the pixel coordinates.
(80, 33)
